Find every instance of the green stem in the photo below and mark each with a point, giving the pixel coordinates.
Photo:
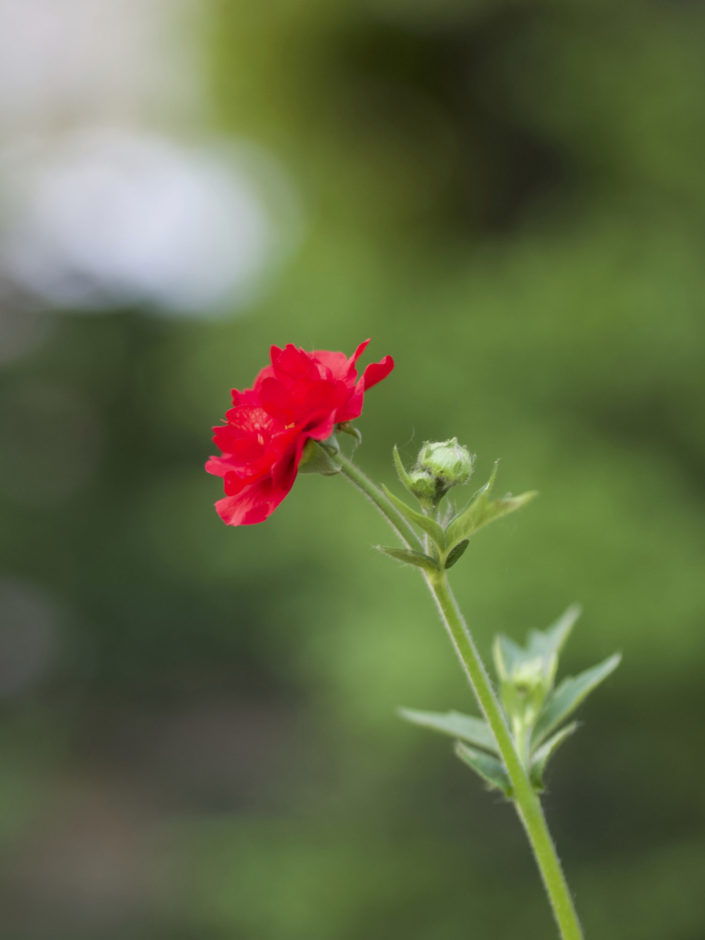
(380, 501)
(527, 803)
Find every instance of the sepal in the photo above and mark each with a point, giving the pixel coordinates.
(346, 427)
(320, 457)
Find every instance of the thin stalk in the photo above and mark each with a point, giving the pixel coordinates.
(380, 501)
(526, 801)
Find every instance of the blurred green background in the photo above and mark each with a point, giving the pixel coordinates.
(198, 735)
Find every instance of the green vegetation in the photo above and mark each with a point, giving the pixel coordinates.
(509, 198)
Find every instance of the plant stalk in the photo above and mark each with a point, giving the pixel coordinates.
(380, 501)
(526, 801)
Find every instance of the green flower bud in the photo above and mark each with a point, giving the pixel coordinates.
(422, 484)
(524, 692)
(529, 675)
(447, 462)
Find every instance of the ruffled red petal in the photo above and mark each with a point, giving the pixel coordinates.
(376, 371)
(300, 396)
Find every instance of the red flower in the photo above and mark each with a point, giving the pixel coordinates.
(301, 396)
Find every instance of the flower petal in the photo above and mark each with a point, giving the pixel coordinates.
(359, 351)
(376, 371)
(300, 396)
(292, 363)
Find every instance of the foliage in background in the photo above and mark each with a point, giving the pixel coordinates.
(509, 198)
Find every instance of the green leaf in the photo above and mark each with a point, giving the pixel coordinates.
(481, 510)
(466, 727)
(404, 477)
(540, 757)
(540, 653)
(409, 557)
(456, 553)
(547, 644)
(465, 518)
(489, 768)
(426, 523)
(566, 697)
(507, 656)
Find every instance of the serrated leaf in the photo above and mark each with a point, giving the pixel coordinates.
(456, 553)
(418, 559)
(426, 523)
(466, 727)
(566, 697)
(489, 768)
(541, 755)
(481, 510)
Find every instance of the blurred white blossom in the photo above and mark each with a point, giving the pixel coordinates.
(108, 217)
(102, 203)
(65, 61)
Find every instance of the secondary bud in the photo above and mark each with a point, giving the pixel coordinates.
(422, 484)
(447, 462)
(529, 675)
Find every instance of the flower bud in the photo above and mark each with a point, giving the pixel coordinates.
(529, 675)
(448, 463)
(525, 690)
(422, 484)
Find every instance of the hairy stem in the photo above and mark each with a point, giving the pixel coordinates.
(526, 801)
(380, 501)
